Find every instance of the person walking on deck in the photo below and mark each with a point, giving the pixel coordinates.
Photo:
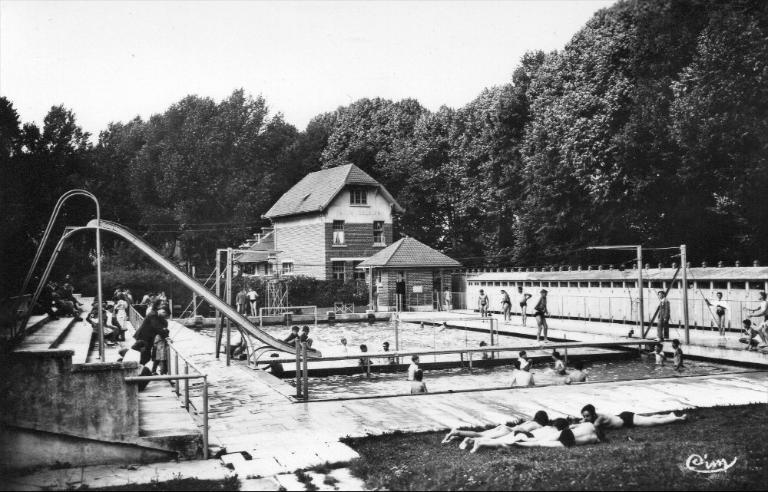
(506, 305)
(482, 303)
(540, 312)
(154, 324)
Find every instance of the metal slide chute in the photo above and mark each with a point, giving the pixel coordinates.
(231, 313)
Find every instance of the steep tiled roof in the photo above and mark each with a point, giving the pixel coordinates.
(258, 251)
(317, 190)
(409, 253)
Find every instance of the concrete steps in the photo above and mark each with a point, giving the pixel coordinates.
(165, 423)
(78, 339)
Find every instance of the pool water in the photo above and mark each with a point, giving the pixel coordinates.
(411, 337)
(458, 379)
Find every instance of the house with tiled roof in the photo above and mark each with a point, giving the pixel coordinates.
(409, 275)
(327, 224)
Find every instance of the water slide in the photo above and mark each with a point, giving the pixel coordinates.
(240, 320)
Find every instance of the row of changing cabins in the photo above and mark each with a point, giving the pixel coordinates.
(612, 295)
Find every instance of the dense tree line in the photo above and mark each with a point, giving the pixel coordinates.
(648, 127)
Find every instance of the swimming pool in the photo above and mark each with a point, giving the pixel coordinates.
(411, 337)
(458, 379)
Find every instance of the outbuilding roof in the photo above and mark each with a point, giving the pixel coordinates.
(409, 253)
(317, 190)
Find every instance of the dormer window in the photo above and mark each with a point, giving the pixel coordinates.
(358, 197)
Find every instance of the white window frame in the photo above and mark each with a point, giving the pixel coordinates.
(358, 197)
(381, 231)
(338, 234)
(334, 273)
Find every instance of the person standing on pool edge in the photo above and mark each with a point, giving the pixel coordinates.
(522, 300)
(540, 312)
(482, 303)
(662, 327)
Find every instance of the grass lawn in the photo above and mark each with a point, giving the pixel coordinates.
(634, 459)
(180, 483)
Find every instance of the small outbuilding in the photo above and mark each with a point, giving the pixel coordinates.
(408, 275)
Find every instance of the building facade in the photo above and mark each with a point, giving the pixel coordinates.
(327, 224)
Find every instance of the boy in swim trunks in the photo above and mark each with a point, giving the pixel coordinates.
(627, 419)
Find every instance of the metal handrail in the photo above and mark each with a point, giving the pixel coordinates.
(513, 348)
(136, 319)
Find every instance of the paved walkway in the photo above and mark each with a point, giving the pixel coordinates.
(249, 414)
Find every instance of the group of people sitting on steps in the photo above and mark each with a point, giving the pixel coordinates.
(558, 433)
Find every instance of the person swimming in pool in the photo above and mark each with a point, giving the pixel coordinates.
(627, 419)
(540, 419)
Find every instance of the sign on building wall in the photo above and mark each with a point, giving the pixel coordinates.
(418, 289)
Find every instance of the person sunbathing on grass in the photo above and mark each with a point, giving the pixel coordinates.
(540, 419)
(627, 419)
(574, 435)
(550, 432)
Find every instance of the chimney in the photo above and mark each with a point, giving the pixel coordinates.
(737, 264)
(720, 264)
(703, 264)
(756, 263)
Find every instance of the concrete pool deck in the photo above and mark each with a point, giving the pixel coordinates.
(249, 412)
(703, 343)
(260, 432)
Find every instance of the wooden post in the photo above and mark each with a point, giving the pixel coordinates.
(186, 386)
(370, 288)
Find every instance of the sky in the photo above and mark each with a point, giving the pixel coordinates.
(110, 61)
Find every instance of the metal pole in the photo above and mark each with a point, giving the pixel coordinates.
(305, 370)
(229, 300)
(205, 417)
(370, 288)
(194, 294)
(186, 384)
(102, 354)
(298, 369)
(218, 294)
(640, 290)
(176, 358)
(684, 266)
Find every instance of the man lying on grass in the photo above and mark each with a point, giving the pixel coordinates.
(557, 435)
(627, 419)
(539, 420)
